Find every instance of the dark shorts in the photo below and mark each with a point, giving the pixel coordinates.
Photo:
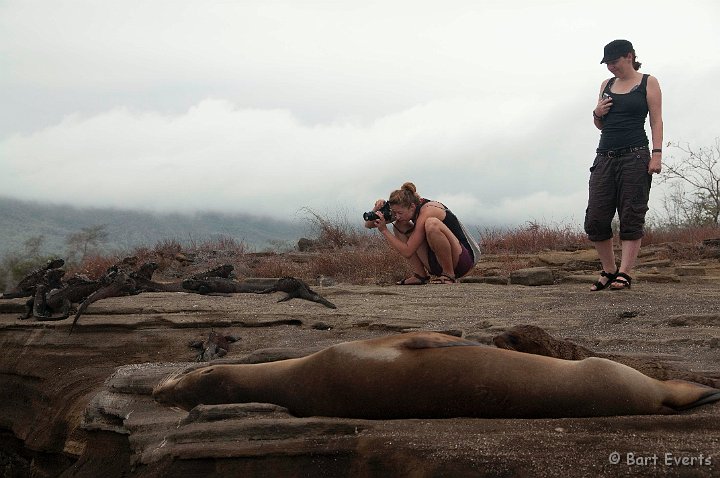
(465, 263)
(622, 184)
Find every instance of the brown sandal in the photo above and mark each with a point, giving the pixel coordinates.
(423, 280)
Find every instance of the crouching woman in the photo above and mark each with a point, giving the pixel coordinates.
(428, 235)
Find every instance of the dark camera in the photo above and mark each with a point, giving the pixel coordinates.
(385, 210)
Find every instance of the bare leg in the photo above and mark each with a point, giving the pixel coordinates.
(444, 244)
(630, 250)
(607, 258)
(418, 266)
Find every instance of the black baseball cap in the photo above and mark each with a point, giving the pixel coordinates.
(615, 49)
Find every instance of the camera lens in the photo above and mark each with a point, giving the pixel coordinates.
(370, 216)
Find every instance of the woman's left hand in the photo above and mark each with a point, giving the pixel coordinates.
(655, 165)
(380, 223)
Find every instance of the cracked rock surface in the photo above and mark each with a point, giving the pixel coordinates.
(80, 404)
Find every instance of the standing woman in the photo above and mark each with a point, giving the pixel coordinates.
(622, 172)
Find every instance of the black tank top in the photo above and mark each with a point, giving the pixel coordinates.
(624, 125)
(452, 223)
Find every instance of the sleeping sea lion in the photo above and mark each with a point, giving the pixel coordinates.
(431, 375)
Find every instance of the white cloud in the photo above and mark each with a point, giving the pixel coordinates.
(268, 106)
(222, 157)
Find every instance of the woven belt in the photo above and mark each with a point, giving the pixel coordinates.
(619, 152)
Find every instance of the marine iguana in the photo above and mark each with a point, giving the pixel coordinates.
(224, 271)
(50, 275)
(146, 284)
(53, 300)
(297, 289)
(145, 271)
(294, 288)
(116, 283)
(216, 346)
(48, 302)
(219, 285)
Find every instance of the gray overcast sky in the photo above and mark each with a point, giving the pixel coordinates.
(268, 106)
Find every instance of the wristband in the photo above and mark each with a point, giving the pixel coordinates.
(596, 116)
(657, 150)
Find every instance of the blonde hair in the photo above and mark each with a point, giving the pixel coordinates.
(406, 196)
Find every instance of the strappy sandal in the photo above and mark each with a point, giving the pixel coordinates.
(599, 285)
(621, 281)
(423, 280)
(444, 279)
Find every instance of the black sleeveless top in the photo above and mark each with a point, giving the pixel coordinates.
(624, 125)
(452, 223)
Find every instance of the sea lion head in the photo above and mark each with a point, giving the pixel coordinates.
(181, 389)
(534, 340)
(201, 384)
(526, 338)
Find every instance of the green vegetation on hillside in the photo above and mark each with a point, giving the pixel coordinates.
(21, 221)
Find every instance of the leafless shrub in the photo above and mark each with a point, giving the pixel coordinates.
(336, 233)
(93, 266)
(699, 170)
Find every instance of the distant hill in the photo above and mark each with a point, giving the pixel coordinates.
(22, 220)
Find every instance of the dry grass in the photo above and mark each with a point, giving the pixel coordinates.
(364, 260)
(278, 265)
(681, 243)
(685, 235)
(532, 238)
(93, 266)
(367, 266)
(350, 254)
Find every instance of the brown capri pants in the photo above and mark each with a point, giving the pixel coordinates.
(618, 183)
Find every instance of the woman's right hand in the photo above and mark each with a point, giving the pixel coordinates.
(373, 224)
(603, 106)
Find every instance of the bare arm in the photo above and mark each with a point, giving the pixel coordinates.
(407, 249)
(417, 237)
(602, 107)
(654, 100)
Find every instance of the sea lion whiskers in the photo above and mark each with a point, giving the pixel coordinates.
(215, 384)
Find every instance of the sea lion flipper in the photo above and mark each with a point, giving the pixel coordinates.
(685, 395)
(435, 340)
(712, 398)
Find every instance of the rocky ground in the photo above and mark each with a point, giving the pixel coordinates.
(79, 405)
